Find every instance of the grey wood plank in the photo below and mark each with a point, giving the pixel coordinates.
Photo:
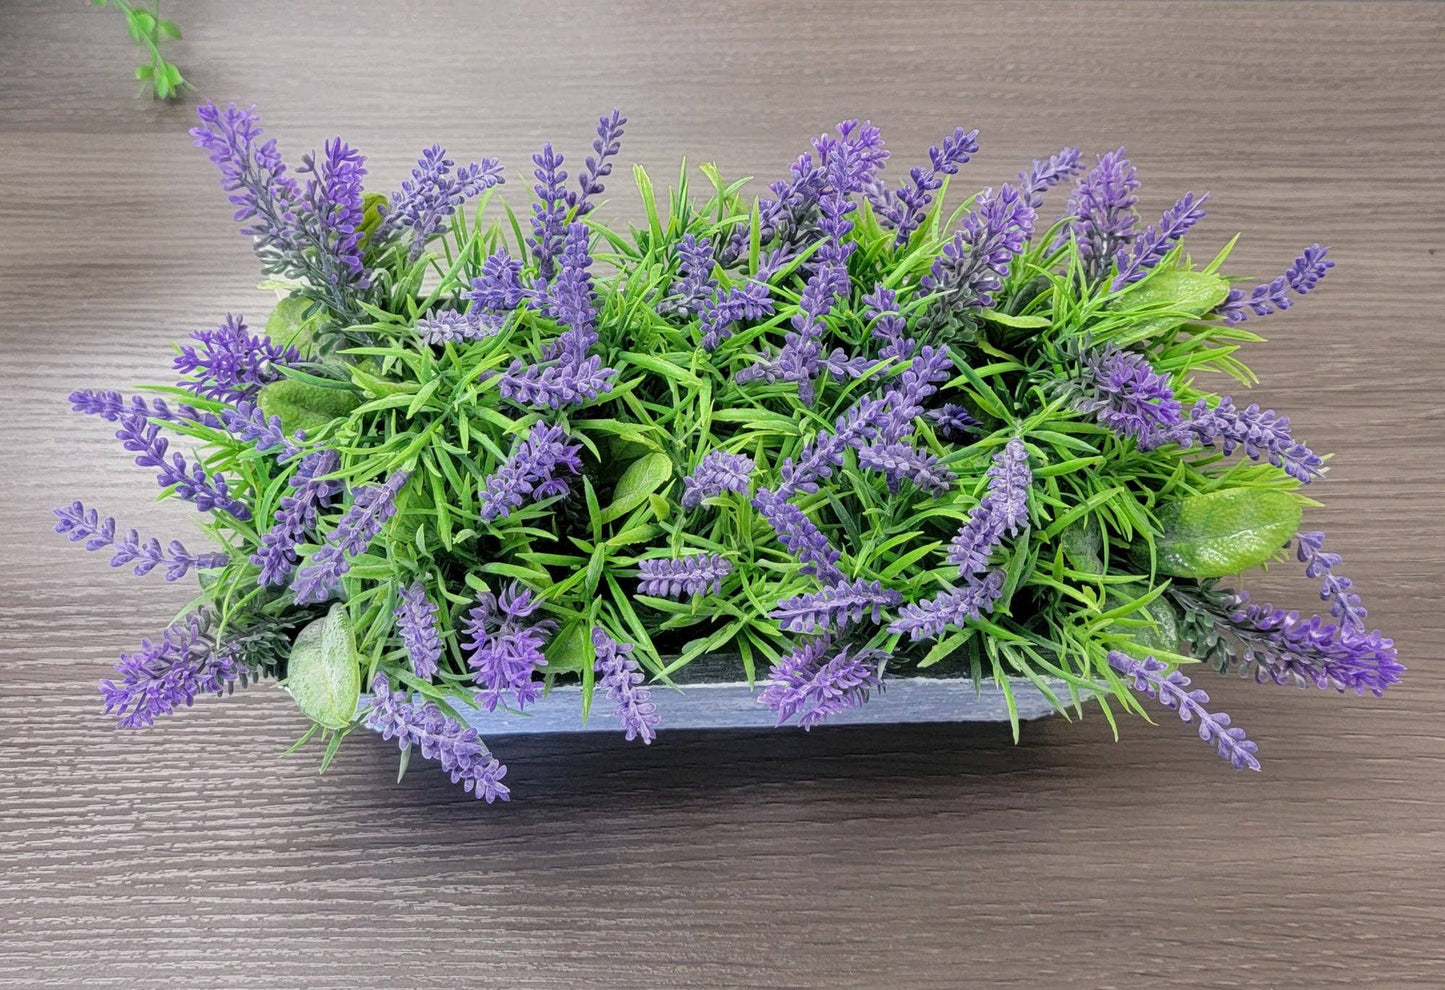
(935, 856)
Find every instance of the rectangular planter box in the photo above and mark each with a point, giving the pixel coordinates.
(733, 705)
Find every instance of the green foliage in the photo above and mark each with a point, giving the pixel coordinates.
(147, 29)
(322, 674)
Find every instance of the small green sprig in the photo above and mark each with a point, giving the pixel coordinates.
(146, 28)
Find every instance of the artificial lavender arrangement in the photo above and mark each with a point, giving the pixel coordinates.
(838, 432)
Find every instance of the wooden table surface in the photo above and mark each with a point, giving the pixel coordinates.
(191, 855)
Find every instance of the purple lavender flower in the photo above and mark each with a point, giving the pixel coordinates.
(1283, 646)
(438, 736)
(899, 462)
(447, 326)
(111, 406)
(1156, 242)
(1101, 211)
(530, 472)
(498, 290)
(163, 676)
(1345, 604)
(695, 261)
(1041, 176)
(835, 607)
(1261, 434)
(905, 209)
(371, 507)
(953, 422)
(1148, 676)
(505, 646)
(817, 459)
(697, 574)
(929, 618)
(332, 222)
(549, 212)
(716, 473)
(416, 622)
(597, 167)
(852, 159)
(977, 539)
(255, 177)
(819, 679)
(142, 437)
(296, 516)
(556, 385)
(433, 193)
(80, 523)
(251, 425)
(748, 301)
(1128, 396)
(881, 307)
(1009, 479)
(799, 536)
(1301, 278)
(572, 297)
(903, 401)
(232, 364)
(622, 678)
(973, 265)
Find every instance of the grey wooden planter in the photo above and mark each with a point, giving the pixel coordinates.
(733, 705)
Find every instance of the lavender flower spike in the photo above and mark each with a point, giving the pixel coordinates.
(416, 622)
(1262, 434)
(1128, 396)
(622, 678)
(142, 437)
(163, 676)
(1149, 677)
(799, 536)
(296, 516)
(818, 680)
(716, 473)
(1041, 176)
(504, 646)
(898, 461)
(835, 607)
(371, 507)
(1301, 278)
(1319, 563)
(697, 574)
(905, 209)
(433, 193)
(1008, 485)
(80, 523)
(597, 167)
(929, 618)
(438, 736)
(1101, 211)
(1156, 242)
(973, 265)
(530, 472)
(232, 363)
(1284, 646)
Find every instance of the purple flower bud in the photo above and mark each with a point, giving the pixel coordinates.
(80, 523)
(748, 301)
(251, 425)
(530, 471)
(505, 647)
(439, 737)
(1301, 278)
(1148, 676)
(447, 326)
(973, 265)
(1128, 396)
(433, 193)
(835, 607)
(905, 208)
(163, 676)
(799, 536)
(698, 574)
(1262, 434)
(929, 618)
(1101, 211)
(898, 461)
(819, 679)
(416, 622)
(1156, 242)
(142, 437)
(953, 422)
(1044, 175)
(597, 167)
(716, 473)
(695, 260)
(1009, 480)
(232, 364)
(296, 516)
(622, 678)
(1319, 563)
(371, 507)
(549, 212)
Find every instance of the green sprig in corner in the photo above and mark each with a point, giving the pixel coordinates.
(147, 29)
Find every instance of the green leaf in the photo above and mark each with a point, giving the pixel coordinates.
(303, 406)
(1016, 322)
(570, 650)
(169, 29)
(641, 479)
(323, 674)
(1184, 294)
(143, 72)
(289, 326)
(1225, 532)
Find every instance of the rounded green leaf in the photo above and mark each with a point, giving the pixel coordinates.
(289, 325)
(1165, 633)
(642, 477)
(1186, 294)
(303, 406)
(323, 674)
(1225, 532)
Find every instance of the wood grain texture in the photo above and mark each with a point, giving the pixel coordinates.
(191, 856)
